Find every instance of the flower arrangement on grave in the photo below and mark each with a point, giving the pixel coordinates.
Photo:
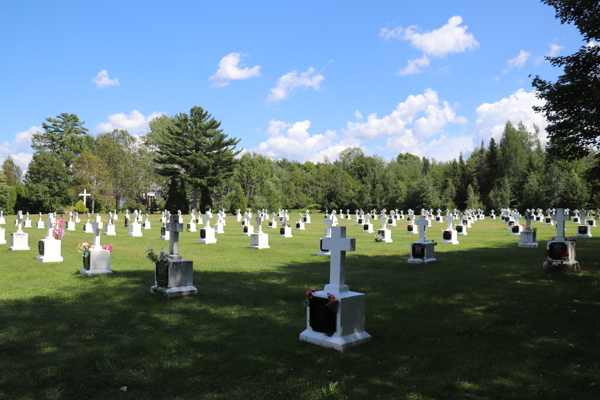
(162, 256)
(284, 225)
(84, 248)
(332, 302)
(379, 238)
(58, 229)
(308, 295)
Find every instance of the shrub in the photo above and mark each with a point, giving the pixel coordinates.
(80, 208)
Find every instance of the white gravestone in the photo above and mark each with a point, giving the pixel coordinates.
(20, 239)
(449, 235)
(40, 223)
(218, 227)
(2, 220)
(528, 236)
(589, 220)
(115, 216)
(462, 226)
(411, 228)
(49, 248)
(87, 227)
(247, 228)
(164, 231)
(174, 277)
(273, 222)
(300, 222)
(99, 261)
(307, 217)
(2, 235)
(77, 220)
(27, 221)
(191, 226)
(383, 231)
(584, 230)
(207, 234)
(71, 226)
(135, 228)
(110, 228)
(576, 219)
(259, 240)
(392, 219)
(516, 228)
(327, 234)
(238, 216)
(422, 251)
(561, 253)
(343, 328)
(367, 225)
(147, 223)
(285, 231)
(493, 215)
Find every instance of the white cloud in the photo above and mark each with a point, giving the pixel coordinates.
(293, 141)
(290, 81)
(518, 61)
(229, 69)
(448, 148)
(552, 52)
(414, 66)
(20, 147)
(133, 122)
(102, 80)
(400, 124)
(592, 43)
(492, 117)
(450, 38)
(358, 115)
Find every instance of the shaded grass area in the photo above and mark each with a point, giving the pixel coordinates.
(484, 322)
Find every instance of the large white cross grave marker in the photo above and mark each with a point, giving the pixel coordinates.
(449, 235)
(422, 251)
(20, 239)
(340, 325)
(174, 277)
(259, 240)
(98, 261)
(85, 194)
(560, 253)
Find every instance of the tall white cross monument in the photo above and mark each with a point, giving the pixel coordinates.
(84, 195)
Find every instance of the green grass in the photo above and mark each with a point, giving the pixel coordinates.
(484, 322)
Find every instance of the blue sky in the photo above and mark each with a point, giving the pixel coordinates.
(301, 80)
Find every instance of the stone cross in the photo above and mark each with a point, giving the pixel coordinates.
(560, 219)
(85, 195)
(135, 216)
(19, 221)
(51, 220)
(528, 219)
(422, 222)
(174, 227)
(260, 217)
(338, 245)
(448, 218)
(97, 226)
(328, 225)
(383, 221)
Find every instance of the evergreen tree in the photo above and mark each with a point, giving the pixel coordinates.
(237, 199)
(473, 201)
(12, 172)
(4, 196)
(193, 148)
(177, 197)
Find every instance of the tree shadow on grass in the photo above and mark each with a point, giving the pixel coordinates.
(479, 323)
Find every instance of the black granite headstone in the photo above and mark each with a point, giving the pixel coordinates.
(582, 230)
(557, 249)
(162, 273)
(321, 318)
(41, 247)
(418, 251)
(202, 233)
(447, 235)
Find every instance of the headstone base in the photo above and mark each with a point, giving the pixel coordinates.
(39, 225)
(87, 228)
(591, 222)
(426, 254)
(551, 222)
(272, 224)
(20, 241)
(2, 221)
(2, 237)
(110, 230)
(493, 217)
(560, 262)
(453, 237)
(300, 226)
(147, 225)
(285, 232)
(207, 236)
(191, 227)
(71, 226)
(322, 252)
(164, 235)
(415, 230)
(135, 229)
(247, 230)
(100, 263)
(51, 250)
(218, 228)
(528, 240)
(386, 234)
(349, 323)
(176, 280)
(584, 228)
(367, 228)
(259, 241)
(514, 232)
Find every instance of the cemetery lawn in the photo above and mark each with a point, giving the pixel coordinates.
(484, 322)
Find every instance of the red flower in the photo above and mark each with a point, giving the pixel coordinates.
(546, 252)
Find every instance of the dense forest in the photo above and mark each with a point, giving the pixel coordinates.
(118, 168)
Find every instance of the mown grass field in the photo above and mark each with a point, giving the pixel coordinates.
(484, 322)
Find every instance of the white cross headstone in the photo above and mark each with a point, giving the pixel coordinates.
(560, 219)
(423, 223)
(174, 228)
(97, 226)
(449, 218)
(338, 245)
(259, 220)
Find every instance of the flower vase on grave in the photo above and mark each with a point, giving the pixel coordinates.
(259, 240)
(528, 236)
(97, 260)
(561, 253)
(19, 239)
(49, 248)
(174, 276)
(422, 251)
(135, 228)
(335, 316)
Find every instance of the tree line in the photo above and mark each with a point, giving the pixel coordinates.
(195, 165)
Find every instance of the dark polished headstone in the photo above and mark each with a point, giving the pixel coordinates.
(321, 318)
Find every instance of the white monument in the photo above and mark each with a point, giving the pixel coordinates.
(341, 325)
(528, 236)
(561, 253)
(449, 235)
(135, 228)
(422, 251)
(383, 231)
(40, 223)
(99, 260)
(49, 247)
(19, 239)
(259, 240)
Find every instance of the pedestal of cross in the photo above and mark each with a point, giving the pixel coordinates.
(342, 327)
(561, 253)
(259, 240)
(528, 236)
(99, 260)
(20, 239)
(49, 248)
(449, 235)
(422, 251)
